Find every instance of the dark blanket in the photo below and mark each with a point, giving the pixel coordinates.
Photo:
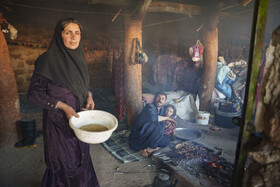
(175, 73)
(147, 131)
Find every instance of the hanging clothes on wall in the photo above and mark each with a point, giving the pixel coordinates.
(118, 85)
(197, 51)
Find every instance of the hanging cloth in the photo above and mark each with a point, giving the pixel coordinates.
(118, 86)
(197, 51)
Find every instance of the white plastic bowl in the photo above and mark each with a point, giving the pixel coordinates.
(93, 117)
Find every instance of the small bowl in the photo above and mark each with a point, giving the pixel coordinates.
(93, 117)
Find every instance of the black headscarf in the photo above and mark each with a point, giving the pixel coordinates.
(65, 66)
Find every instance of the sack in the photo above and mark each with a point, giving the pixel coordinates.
(186, 104)
(138, 56)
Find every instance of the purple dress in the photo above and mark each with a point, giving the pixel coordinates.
(67, 159)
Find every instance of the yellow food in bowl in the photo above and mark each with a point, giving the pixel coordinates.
(94, 128)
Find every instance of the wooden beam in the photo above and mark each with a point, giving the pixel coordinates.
(244, 2)
(133, 72)
(157, 6)
(210, 41)
(178, 8)
(124, 4)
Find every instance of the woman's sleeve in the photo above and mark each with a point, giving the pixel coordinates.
(37, 93)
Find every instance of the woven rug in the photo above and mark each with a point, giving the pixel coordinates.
(118, 146)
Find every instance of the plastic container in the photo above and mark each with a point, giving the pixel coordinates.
(202, 118)
(93, 117)
(212, 119)
(224, 119)
(230, 106)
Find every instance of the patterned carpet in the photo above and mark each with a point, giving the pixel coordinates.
(118, 146)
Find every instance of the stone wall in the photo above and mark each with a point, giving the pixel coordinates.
(100, 61)
(23, 58)
(100, 68)
(173, 39)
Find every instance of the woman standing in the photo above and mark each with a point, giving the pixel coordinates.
(60, 85)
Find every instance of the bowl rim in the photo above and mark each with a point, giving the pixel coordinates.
(87, 132)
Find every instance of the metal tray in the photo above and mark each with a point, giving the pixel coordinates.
(187, 133)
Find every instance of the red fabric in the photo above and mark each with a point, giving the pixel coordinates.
(260, 82)
(200, 48)
(186, 78)
(118, 86)
(164, 69)
(169, 127)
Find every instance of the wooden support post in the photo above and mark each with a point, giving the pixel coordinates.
(133, 72)
(9, 107)
(264, 166)
(210, 41)
(256, 47)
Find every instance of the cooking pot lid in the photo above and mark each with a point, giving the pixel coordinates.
(163, 176)
(187, 133)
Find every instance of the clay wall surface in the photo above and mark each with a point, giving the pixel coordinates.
(23, 59)
(29, 45)
(163, 34)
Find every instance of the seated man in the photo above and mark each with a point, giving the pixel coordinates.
(147, 132)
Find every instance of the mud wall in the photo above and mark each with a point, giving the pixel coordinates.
(162, 34)
(30, 45)
(98, 50)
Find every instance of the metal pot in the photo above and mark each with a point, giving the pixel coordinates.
(163, 180)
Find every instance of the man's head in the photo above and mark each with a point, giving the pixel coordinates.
(160, 99)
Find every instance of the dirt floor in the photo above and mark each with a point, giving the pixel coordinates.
(25, 167)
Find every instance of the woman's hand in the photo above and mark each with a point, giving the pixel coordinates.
(68, 110)
(89, 103)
